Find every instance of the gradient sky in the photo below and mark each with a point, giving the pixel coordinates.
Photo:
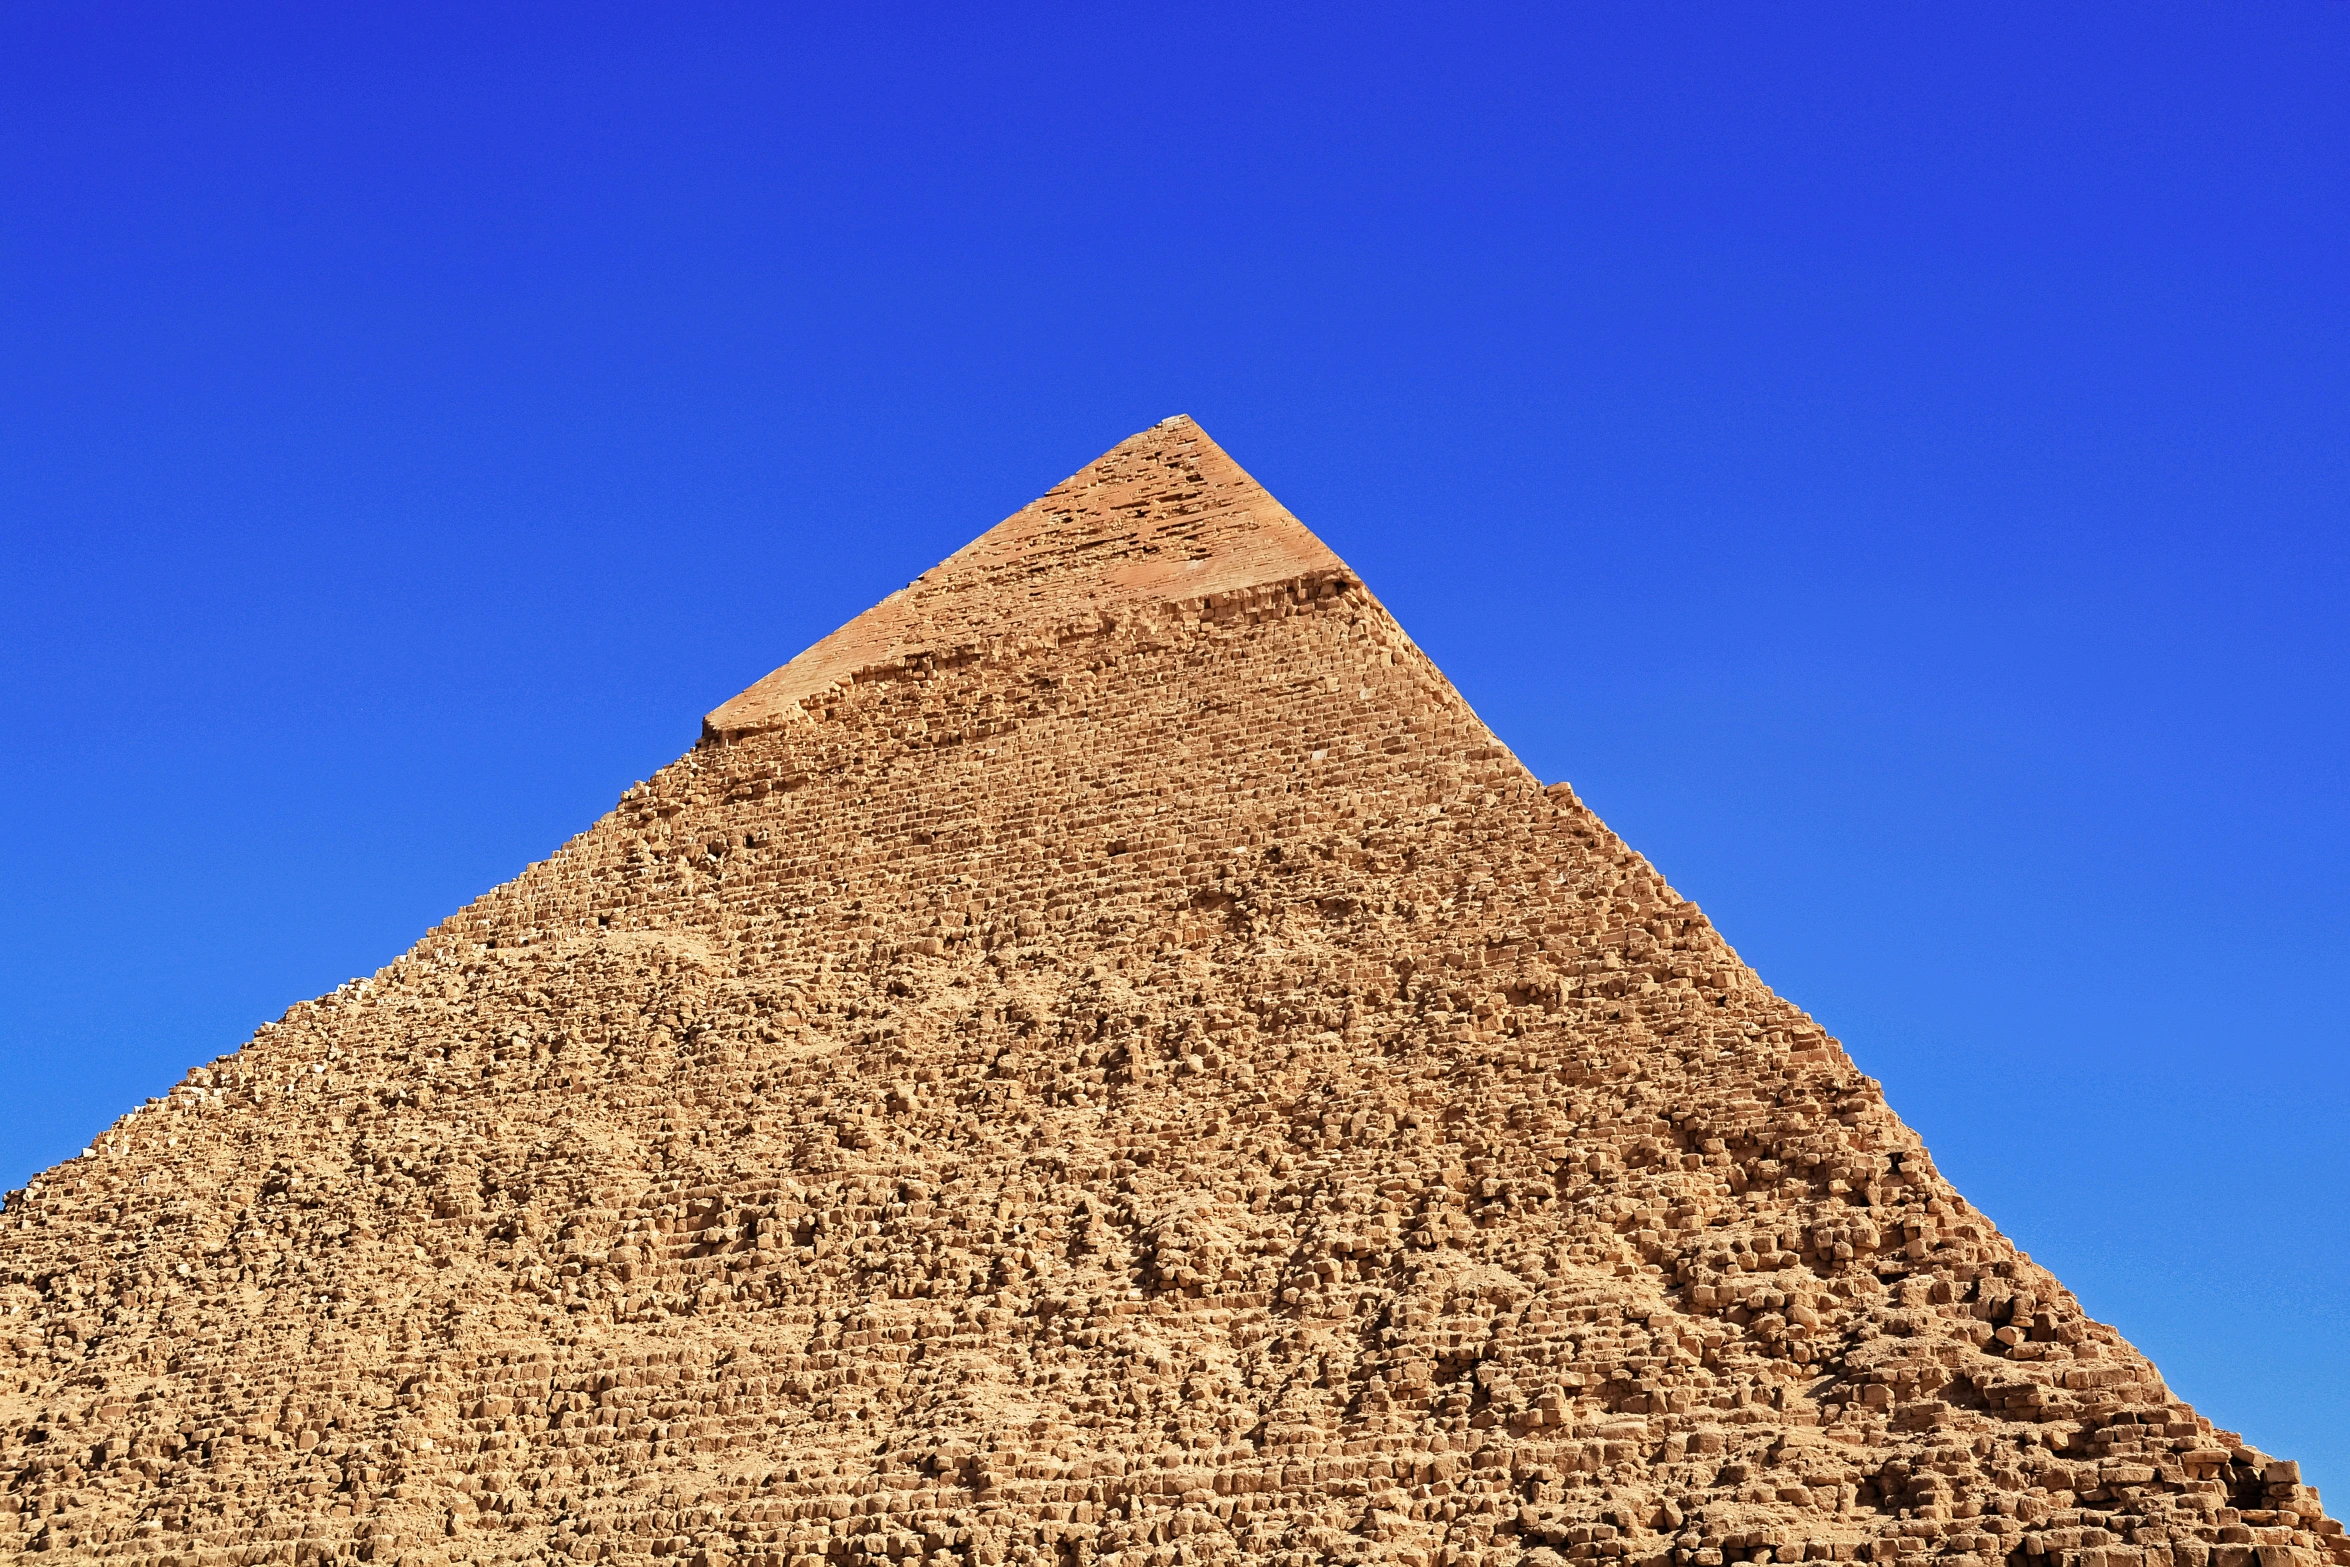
(1894, 460)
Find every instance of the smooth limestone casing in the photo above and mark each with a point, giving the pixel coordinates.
(1105, 1058)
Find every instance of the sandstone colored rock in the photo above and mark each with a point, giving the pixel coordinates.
(1103, 1059)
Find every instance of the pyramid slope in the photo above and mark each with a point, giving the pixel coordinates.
(1136, 1073)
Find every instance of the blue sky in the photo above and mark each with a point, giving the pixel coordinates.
(1891, 459)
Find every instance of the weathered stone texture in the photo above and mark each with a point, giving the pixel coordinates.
(1105, 1058)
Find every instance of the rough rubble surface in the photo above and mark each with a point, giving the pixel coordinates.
(1104, 1059)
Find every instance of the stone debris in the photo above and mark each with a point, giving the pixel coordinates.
(1105, 1059)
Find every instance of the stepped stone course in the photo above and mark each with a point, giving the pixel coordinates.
(1104, 1059)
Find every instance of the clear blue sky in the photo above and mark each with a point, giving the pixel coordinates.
(1893, 459)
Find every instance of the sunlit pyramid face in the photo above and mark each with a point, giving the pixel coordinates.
(1103, 1058)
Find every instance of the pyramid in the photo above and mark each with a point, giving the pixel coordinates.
(1103, 1059)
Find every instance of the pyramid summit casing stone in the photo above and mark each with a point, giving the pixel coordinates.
(1103, 1058)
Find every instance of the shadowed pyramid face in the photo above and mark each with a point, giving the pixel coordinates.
(1103, 1057)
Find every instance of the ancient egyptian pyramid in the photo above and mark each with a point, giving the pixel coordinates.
(1103, 1059)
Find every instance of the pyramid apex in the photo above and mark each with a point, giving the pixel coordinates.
(1164, 516)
